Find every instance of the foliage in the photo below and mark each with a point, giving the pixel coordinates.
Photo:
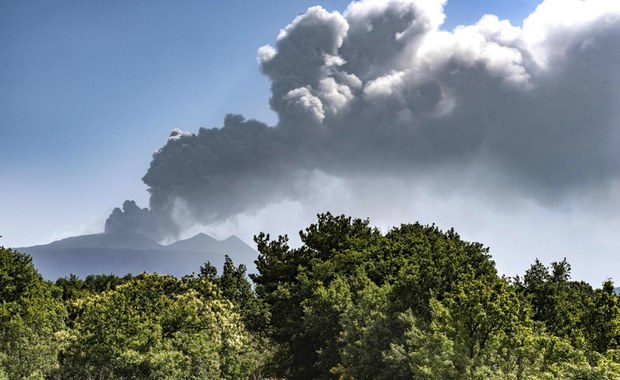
(155, 327)
(417, 302)
(234, 286)
(350, 303)
(31, 319)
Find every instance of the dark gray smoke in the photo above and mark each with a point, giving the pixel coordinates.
(133, 219)
(220, 172)
(381, 89)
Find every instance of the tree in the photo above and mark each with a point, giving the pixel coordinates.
(602, 325)
(557, 302)
(31, 319)
(235, 287)
(156, 327)
(312, 290)
(288, 277)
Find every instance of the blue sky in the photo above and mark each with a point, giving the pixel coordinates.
(90, 89)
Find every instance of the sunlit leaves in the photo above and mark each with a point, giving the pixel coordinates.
(31, 319)
(156, 327)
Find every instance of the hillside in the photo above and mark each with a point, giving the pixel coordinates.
(114, 253)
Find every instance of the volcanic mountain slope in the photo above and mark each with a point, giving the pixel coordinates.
(122, 253)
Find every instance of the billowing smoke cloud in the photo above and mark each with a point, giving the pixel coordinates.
(219, 172)
(133, 219)
(382, 90)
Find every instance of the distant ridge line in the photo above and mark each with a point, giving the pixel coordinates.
(122, 253)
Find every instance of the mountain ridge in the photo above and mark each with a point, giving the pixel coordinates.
(122, 253)
(105, 240)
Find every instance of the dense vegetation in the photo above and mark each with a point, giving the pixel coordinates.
(350, 303)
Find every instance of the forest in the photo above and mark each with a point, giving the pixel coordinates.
(352, 302)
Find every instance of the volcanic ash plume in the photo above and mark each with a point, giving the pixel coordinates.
(133, 219)
(382, 90)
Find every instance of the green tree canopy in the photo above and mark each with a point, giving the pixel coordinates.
(157, 327)
(31, 319)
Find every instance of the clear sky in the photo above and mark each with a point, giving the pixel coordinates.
(90, 89)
